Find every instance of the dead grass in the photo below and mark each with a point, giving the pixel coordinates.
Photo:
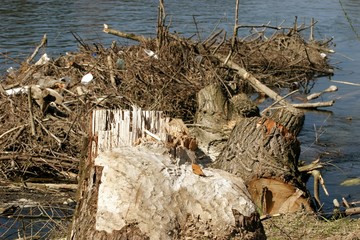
(308, 226)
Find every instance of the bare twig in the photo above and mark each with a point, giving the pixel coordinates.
(43, 43)
(111, 71)
(48, 132)
(314, 105)
(31, 117)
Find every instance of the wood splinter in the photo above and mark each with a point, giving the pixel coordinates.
(318, 179)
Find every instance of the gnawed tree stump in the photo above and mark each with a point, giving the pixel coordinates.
(137, 193)
(144, 193)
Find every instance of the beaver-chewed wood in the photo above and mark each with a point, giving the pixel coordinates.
(137, 193)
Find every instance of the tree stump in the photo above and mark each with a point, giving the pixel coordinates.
(216, 116)
(262, 150)
(138, 193)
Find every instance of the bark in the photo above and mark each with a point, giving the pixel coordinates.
(137, 193)
(264, 151)
(216, 117)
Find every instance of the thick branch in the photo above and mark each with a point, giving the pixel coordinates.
(122, 34)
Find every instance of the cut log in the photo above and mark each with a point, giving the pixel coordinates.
(136, 193)
(264, 151)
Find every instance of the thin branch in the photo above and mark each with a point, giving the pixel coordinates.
(43, 43)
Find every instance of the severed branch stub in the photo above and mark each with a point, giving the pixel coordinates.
(122, 34)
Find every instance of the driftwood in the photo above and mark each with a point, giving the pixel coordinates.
(257, 85)
(122, 34)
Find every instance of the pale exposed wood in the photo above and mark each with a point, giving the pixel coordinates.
(312, 96)
(352, 211)
(348, 83)
(143, 192)
(122, 34)
(312, 166)
(54, 186)
(141, 185)
(115, 128)
(314, 105)
(111, 71)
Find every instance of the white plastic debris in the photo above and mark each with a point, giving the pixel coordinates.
(87, 78)
(16, 90)
(151, 53)
(10, 70)
(44, 59)
(323, 55)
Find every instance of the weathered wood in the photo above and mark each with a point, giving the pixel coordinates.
(133, 186)
(261, 150)
(216, 117)
(131, 36)
(141, 193)
(265, 150)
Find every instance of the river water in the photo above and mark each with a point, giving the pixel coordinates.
(23, 23)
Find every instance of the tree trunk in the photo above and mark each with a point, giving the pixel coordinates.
(137, 193)
(216, 116)
(142, 193)
(263, 151)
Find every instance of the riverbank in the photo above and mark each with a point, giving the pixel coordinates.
(51, 119)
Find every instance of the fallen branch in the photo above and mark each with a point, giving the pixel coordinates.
(312, 166)
(318, 179)
(332, 88)
(314, 105)
(31, 117)
(111, 71)
(255, 83)
(122, 34)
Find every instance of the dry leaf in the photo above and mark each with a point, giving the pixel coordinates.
(197, 170)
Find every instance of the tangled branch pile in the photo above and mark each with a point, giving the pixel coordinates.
(44, 134)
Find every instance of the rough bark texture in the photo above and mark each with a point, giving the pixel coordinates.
(262, 150)
(216, 116)
(137, 193)
(260, 147)
(265, 152)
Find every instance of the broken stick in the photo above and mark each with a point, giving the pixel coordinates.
(122, 34)
(42, 43)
